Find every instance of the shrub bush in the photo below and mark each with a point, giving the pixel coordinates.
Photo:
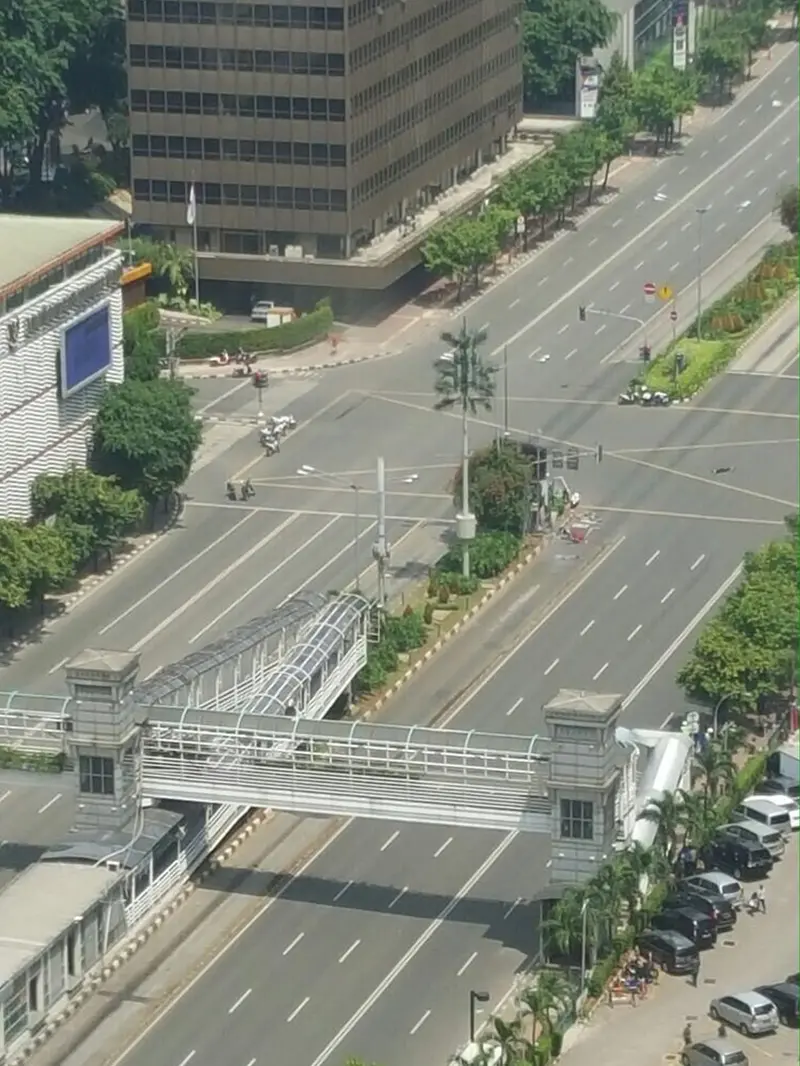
(303, 331)
(489, 555)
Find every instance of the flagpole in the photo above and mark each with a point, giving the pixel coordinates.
(191, 218)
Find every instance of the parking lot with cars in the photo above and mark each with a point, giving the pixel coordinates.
(727, 994)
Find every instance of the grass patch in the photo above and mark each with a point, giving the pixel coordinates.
(701, 361)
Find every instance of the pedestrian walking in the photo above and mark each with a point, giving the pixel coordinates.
(762, 899)
(687, 1034)
(722, 1030)
(694, 973)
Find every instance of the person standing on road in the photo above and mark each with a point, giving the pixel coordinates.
(762, 899)
(687, 1034)
(694, 973)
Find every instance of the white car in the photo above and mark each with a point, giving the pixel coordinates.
(786, 803)
(260, 311)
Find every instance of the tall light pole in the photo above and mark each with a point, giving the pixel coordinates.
(584, 932)
(322, 475)
(700, 212)
(474, 999)
(505, 390)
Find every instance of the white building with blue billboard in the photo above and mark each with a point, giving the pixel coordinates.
(60, 344)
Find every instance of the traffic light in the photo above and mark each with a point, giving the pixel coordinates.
(573, 459)
(599, 453)
(537, 455)
(582, 313)
(557, 459)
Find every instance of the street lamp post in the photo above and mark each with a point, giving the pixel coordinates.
(584, 937)
(474, 999)
(505, 390)
(700, 212)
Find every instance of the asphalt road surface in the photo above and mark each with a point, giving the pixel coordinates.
(353, 960)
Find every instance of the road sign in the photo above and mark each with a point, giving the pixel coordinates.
(665, 293)
(649, 291)
(673, 315)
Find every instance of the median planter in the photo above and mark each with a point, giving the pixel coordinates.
(291, 337)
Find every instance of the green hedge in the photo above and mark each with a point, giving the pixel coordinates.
(36, 762)
(308, 329)
(489, 555)
(144, 317)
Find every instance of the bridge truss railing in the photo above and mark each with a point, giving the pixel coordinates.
(35, 724)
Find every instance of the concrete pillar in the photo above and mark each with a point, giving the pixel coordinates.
(105, 737)
(586, 764)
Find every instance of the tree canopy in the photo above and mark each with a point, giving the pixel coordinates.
(500, 486)
(144, 345)
(555, 35)
(788, 207)
(33, 560)
(146, 436)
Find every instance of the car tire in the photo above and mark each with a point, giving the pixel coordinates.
(737, 872)
(714, 1013)
(744, 1029)
(684, 1059)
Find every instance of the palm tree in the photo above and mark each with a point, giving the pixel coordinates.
(668, 817)
(465, 380)
(547, 1002)
(562, 930)
(716, 766)
(700, 820)
(639, 868)
(510, 1038)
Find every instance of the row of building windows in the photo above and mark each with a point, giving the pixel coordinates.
(420, 68)
(313, 109)
(458, 131)
(412, 116)
(273, 16)
(408, 31)
(244, 60)
(364, 9)
(577, 820)
(50, 279)
(228, 194)
(299, 153)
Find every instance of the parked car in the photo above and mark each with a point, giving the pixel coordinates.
(763, 809)
(715, 881)
(793, 979)
(782, 802)
(786, 998)
(689, 922)
(780, 784)
(670, 950)
(260, 311)
(742, 858)
(771, 839)
(712, 904)
(749, 1012)
(716, 1052)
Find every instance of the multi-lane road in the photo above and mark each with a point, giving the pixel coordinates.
(374, 950)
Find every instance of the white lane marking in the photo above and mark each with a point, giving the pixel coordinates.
(5, 795)
(640, 205)
(252, 1062)
(568, 261)
(639, 265)
(728, 191)
(674, 267)
(535, 351)
(722, 139)
(697, 561)
(350, 951)
(653, 557)
(398, 897)
(696, 248)
(682, 171)
(256, 584)
(720, 227)
(662, 246)
(742, 121)
(294, 943)
(512, 908)
(749, 174)
(513, 304)
(620, 592)
(614, 286)
(704, 153)
(298, 1008)
(686, 225)
(416, 1028)
(624, 309)
(767, 157)
(782, 174)
(471, 959)
(758, 107)
(616, 223)
(592, 242)
(563, 329)
(586, 628)
(514, 706)
(341, 892)
(502, 663)
(443, 848)
(59, 665)
(388, 843)
(667, 595)
(239, 1001)
(633, 632)
(484, 327)
(181, 569)
(49, 803)
(639, 237)
(599, 329)
(188, 1058)
(543, 281)
(762, 191)
(570, 354)
(552, 666)
(600, 672)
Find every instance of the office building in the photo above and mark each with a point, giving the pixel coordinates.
(311, 133)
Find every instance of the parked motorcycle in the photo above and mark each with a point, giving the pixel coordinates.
(270, 442)
(280, 425)
(636, 394)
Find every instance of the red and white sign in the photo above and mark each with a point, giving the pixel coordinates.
(673, 315)
(649, 288)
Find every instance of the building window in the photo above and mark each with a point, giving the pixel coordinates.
(96, 775)
(577, 820)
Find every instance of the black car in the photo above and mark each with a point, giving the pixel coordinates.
(714, 906)
(689, 922)
(786, 998)
(742, 859)
(793, 979)
(669, 950)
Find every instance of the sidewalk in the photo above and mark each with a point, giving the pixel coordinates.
(759, 950)
(772, 349)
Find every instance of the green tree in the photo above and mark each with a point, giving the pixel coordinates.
(555, 35)
(146, 436)
(144, 344)
(546, 1002)
(500, 480)
(657, 102)
(465, 380)
(33, 561)
(788, 208)
(89, 510)
(719, 60)
(716, 768)
(563, 927)
(616, 120)
(172, 264)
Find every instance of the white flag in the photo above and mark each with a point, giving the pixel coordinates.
(191, 207)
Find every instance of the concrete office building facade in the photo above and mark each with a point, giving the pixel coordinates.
(60, 343)
(309, 131)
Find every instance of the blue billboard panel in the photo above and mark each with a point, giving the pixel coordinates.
(85, 350)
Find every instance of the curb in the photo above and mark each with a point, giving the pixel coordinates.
(109, 967)
(287, 370)
(509, 576)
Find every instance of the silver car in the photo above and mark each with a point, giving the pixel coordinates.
(749, 1012)
(716, 1052)
(771, 839)
(719, 883)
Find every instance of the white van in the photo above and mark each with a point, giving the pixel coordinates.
(480, 1053)
(771, 839)
(786, 803)
(760, 809)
